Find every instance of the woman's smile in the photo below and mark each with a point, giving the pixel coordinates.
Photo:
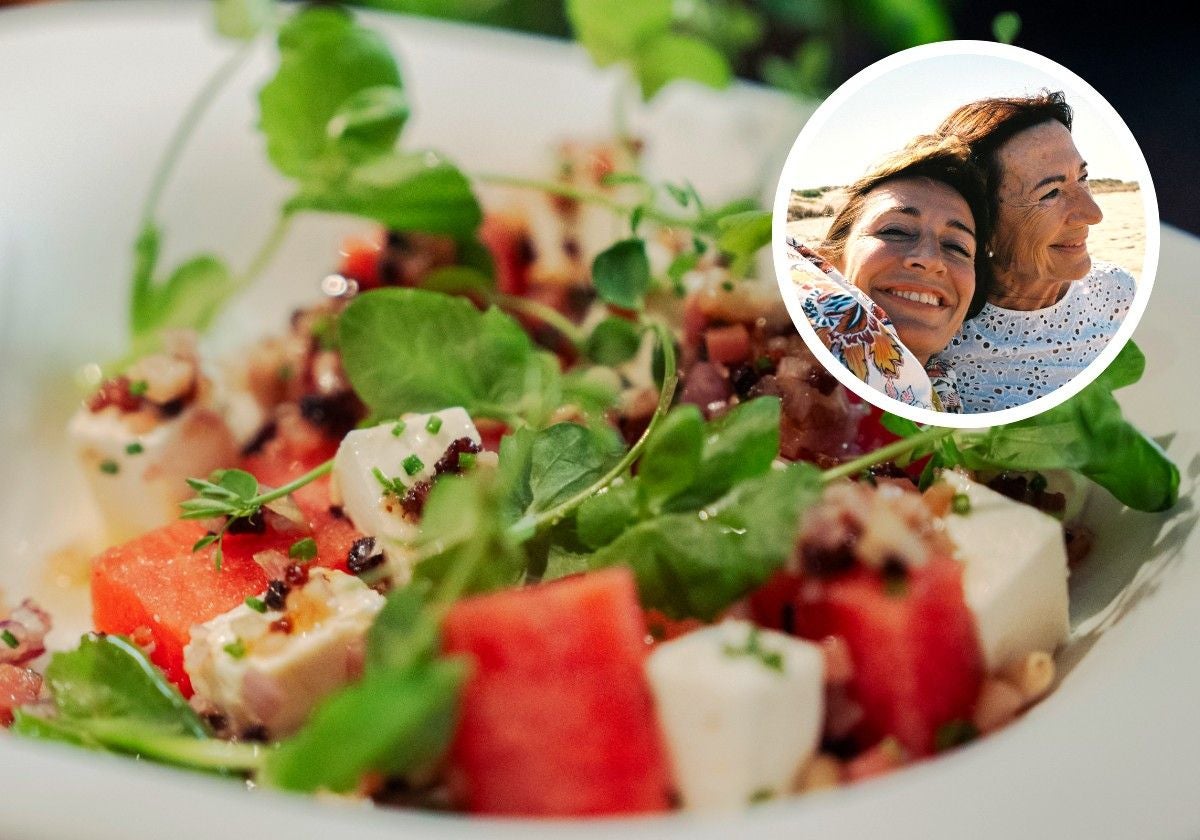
(912, 251)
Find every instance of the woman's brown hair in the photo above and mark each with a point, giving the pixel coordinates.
(987, 124)
(946, 160)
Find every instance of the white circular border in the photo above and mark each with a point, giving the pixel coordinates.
(1076, 88)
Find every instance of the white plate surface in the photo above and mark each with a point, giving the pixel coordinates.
(88, 96)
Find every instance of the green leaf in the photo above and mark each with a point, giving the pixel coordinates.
(621, 274)
(544, 468)
(463, 534)
(107, 677)
(1088, 434)
(242, 19)
(459, 280)
(608, 514)
(395, 721)
(612, 30)
(369, 121)
(412, 350)
(689, 565)
(899, 24)
(668, 57)
(416, 191)
(671, 460)
(1006, 26)
(613, 341)
(742, 235)
(239, 482)
(740, 444)
(325, 59)
(808, 72)
(189, 299)
(403, 632)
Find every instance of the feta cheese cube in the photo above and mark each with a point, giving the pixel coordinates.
(405, 452)
(138, 469)
(1015, 573)
(741, 711)
(257, 671)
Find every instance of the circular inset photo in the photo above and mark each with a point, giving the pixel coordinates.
(965, 234)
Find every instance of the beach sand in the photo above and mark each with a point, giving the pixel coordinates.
(1120, 238)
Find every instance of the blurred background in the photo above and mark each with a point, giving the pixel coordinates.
(1142, 63)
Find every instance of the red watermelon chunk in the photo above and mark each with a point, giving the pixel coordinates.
(917, 661)
(557, 717)
(157, 582)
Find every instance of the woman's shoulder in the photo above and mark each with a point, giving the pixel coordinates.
(1105, 274)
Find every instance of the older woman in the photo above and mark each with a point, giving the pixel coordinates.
(1051, 309)
(899, 271)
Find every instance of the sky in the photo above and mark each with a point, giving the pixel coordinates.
(858, 126)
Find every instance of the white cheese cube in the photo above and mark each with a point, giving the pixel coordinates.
(408, 457)
(257, 671)
(741, 711)
(1015, 573)
(137, 468)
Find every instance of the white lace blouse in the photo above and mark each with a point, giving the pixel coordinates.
(1006, 357)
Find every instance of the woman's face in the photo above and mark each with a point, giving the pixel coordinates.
(1046, 206)
(912, 251)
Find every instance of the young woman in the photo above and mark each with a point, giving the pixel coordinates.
(899, 271)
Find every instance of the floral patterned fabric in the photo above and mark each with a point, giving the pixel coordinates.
(860, 335)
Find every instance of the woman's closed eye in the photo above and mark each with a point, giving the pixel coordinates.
(957, 247)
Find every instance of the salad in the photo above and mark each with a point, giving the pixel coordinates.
(365, 597)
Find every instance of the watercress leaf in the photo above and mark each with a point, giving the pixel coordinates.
(392, 720)
(738, 445)
(108, 677)
(899, 425)
(562, 562)
(459, 280)
(240, 483)
(564, 459)
(743, 234)
(242, 19)
(621, 274)
(671, 459)
(542, 469)
(1124, 370)
(417, 191)
(591, 389)
(189, 299)
(612, 30)
(369, 121)
(669, 56)
(607, 514)
(403, 633)
(613, 341)
(413, 350)
(325, 58)
(688, 565)
(462, 534)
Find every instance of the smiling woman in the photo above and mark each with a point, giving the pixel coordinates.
(1052, 309)
(899, 271)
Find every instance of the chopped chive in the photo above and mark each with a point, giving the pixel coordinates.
(761, 795)
(399, 428)
(256, 604)
(770, 658)
(134, 448)
(954, 733)
(138, 388)
(727, 285)
(305, 549)
(381, 478)
(285, 372)
(236, 648)
(763, 363)
(412, 465)
(109, 467)
(961, 503)
(433, 426)
(9, 639)
(466, 461)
